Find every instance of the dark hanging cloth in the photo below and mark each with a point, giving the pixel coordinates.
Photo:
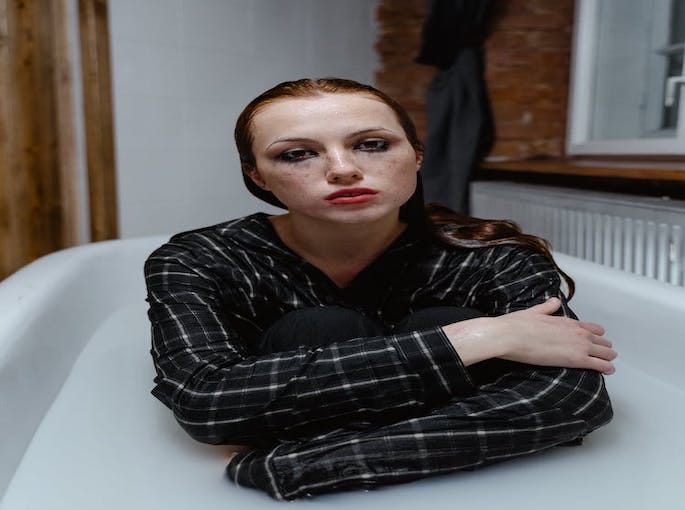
(460, 127)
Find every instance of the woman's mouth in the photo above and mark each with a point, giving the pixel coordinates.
(351, 196)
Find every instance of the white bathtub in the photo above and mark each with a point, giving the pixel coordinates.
(79, 430)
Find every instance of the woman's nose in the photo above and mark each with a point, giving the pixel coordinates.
(342, 168)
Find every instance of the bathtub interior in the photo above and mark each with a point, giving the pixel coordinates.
(80, 429)
(645, 318)
(52, 308)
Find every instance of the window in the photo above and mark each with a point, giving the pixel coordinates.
(627, 78)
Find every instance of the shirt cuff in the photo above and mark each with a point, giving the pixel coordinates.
(430, 354)
(253, 469)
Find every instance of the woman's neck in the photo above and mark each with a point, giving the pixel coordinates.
(341, 251)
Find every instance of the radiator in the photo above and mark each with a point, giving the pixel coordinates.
(641, 235)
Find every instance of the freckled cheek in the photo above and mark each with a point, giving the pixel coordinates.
(398, 178)
(296, 184)
(399, 168)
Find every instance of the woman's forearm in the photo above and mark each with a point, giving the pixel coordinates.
(533, 336)
(524, 412)
(258, 399)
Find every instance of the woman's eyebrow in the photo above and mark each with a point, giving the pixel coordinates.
(350, 135)
(369, 130)
(281, 140)
(378, 129)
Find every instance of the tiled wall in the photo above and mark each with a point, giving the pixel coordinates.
(183, 70)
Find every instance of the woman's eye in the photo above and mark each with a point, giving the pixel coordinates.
(295, 155)
(373, 145)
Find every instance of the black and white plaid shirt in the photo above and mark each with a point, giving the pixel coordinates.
(367, 411)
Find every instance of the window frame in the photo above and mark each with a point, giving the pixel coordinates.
(578, 140)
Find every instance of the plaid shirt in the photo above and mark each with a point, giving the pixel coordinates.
(367, 411)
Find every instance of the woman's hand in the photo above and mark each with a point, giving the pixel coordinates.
(536, 337)
(230, 451)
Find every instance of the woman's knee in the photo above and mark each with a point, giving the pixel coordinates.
(316, 326)
(436, 316)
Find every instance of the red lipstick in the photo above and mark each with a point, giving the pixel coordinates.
(351, 196)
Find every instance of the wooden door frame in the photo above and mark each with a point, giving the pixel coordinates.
(38, 203)
(98, 118)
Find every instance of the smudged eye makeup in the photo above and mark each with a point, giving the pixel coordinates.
(373, 145)
(297, 155)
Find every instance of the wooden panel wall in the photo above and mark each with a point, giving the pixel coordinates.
(37, 211)
(99, 120)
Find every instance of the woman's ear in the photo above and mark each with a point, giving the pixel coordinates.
(256, 177)
(419, 160)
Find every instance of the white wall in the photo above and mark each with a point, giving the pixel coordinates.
(184, 69)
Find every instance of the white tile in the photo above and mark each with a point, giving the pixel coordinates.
(267, 72)
(172, 215)
(344, 48)
(212, 172)
(280, 28)
(146, 20)
(210, 211)
(209, 124)
(211, 74)
(241, 202)
(253, 205)
(216, 175)
(217, 24)
(148, 122)
(150, 217)
(147, 68)
(171, 191)
(205, 211)
(152, 174)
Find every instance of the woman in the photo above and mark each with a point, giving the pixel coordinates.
(361, 339)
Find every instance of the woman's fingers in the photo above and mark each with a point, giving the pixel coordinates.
(548, 307)
(603, 352)
(592, 327)
(600, 340)
(552, 305)
(601, 365)
(600, 356)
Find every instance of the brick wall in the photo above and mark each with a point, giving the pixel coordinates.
(527, 70)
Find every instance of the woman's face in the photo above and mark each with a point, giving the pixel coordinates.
(334, 157)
